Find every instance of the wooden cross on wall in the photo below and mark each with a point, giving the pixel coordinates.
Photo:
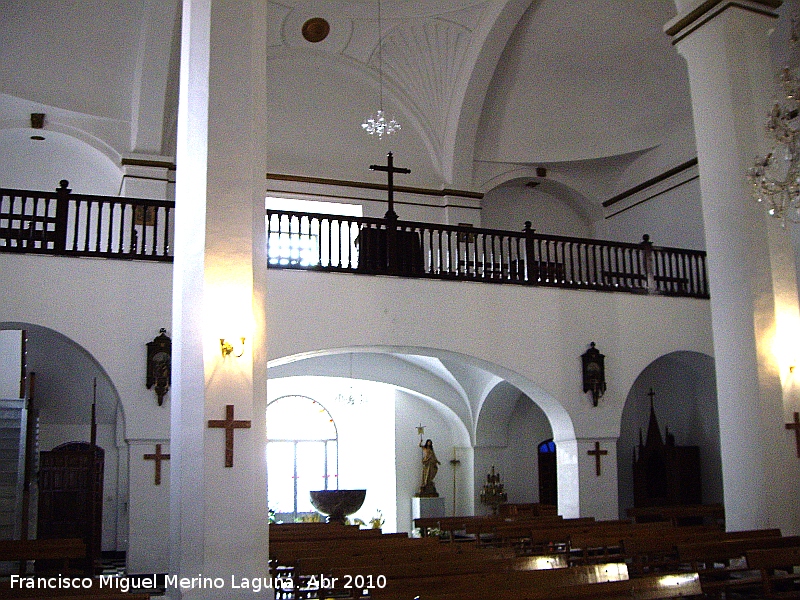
(390, 170)
(796, 426)
(597, 453)
(229, 424)
(157, 457)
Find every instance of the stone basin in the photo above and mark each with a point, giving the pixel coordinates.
(337, 504)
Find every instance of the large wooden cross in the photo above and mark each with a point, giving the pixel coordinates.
(229, 424)
(157, 457)
(390, 170)
(796, 426)
(597, 453)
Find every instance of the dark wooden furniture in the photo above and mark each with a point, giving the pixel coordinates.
(71, 495)
(665, 474)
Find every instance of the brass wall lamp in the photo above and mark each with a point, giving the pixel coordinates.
(227, 348)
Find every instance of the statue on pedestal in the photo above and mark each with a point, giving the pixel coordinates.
(430, 466)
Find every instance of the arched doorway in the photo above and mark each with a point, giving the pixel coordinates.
(684, 401)
(548, 473)
(65, 375)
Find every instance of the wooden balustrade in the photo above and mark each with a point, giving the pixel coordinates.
(373, 246)
(67, 224)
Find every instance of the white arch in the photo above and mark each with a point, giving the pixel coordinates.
(457, 398)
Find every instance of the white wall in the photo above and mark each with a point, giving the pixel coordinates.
(533, 338)
(10, 363)
(109, 308)
(509, 206)
(671, 218)
(148, 509)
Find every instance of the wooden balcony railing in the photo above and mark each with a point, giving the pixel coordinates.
(68, 224)
(411, 249)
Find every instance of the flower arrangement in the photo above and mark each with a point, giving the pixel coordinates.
(377, 521)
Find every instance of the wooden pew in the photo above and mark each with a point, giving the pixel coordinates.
(58, 550)
(407, 583)
(476, 526)
(95, 592)
(658, 551)
(779, 578)
(652, 587)
(722, 565)
(528, 535)
(693, 514)
(316, 531)
(533, 509)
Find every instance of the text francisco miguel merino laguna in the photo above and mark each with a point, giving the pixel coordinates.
(125, 584)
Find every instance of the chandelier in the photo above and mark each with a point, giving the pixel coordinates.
(775, 177)
(379, 124)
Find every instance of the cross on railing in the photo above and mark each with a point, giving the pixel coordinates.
(390, 170)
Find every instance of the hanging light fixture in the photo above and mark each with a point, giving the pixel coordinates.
(775, 177)
(379, 124)
(352, 397)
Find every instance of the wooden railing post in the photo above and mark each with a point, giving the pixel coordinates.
(62, 213)
(392, 245)
(649, 264)
(530, 254)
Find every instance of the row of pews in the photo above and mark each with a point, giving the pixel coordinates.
(327, 561)
(528, 557)
(60, 580)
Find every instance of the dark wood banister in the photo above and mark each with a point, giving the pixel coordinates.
(373, 246)
(67, 224)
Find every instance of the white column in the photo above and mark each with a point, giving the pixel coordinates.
(218, 514)
(751, 270)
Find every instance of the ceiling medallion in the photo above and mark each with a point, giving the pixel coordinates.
(316, 29)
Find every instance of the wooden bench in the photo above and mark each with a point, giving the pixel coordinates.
(778, 568)
(652, 587)
(659, 551)
(691, 514)
(316, 531)
(95, 592)
(57, 550)
(503, 583)
(722, 565)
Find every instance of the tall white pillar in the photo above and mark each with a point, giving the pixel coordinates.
(751, 269)
(218, 513)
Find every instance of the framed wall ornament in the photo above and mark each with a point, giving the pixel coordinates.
(159, 365)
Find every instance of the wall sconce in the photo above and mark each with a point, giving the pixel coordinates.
(227, 348)
(594, 373)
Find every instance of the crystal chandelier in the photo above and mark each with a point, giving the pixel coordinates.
(379, 124)
(775, 177)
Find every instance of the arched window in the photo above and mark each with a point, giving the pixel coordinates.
(302, 455)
